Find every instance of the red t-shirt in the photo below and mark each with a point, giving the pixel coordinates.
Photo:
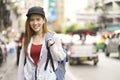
(35, 52)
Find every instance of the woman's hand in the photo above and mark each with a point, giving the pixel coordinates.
(50, 42)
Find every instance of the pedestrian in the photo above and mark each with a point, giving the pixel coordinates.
(19, 46)
(34, 51)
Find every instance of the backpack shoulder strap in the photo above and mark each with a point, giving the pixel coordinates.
(49, 56)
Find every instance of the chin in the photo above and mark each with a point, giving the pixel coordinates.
(36, 30)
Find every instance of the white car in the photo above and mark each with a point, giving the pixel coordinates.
(113, 44)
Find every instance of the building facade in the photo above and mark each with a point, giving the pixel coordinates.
(112, 8)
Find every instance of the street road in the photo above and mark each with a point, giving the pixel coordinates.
(8, 70)
(107, 69)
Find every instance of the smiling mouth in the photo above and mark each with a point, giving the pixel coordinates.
(35, 27)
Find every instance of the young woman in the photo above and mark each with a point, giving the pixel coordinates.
(34, 48)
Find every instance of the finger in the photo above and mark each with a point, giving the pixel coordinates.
(49, 40)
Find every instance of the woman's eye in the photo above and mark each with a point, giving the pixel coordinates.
(38, 19)
(31, 19)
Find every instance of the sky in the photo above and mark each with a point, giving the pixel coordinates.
(71, 6)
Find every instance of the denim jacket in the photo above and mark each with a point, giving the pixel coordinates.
(30, 71)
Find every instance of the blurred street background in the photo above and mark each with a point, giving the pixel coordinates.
(89, 29)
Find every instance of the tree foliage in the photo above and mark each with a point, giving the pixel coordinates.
(90, 26)
(70, 28)
(75, 27)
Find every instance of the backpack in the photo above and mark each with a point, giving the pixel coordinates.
(60, 71)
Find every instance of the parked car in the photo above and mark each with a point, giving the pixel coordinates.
(4, 52)
(113, 44)
(80, 52)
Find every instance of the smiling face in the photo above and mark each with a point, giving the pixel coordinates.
(36, 22)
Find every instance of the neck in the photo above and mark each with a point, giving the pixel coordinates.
(37, 39)
(40, 34)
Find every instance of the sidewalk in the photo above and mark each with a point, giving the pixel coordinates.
(8, 70)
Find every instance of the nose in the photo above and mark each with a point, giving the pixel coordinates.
(35, 21)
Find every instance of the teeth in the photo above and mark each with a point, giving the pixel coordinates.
(35, 27)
